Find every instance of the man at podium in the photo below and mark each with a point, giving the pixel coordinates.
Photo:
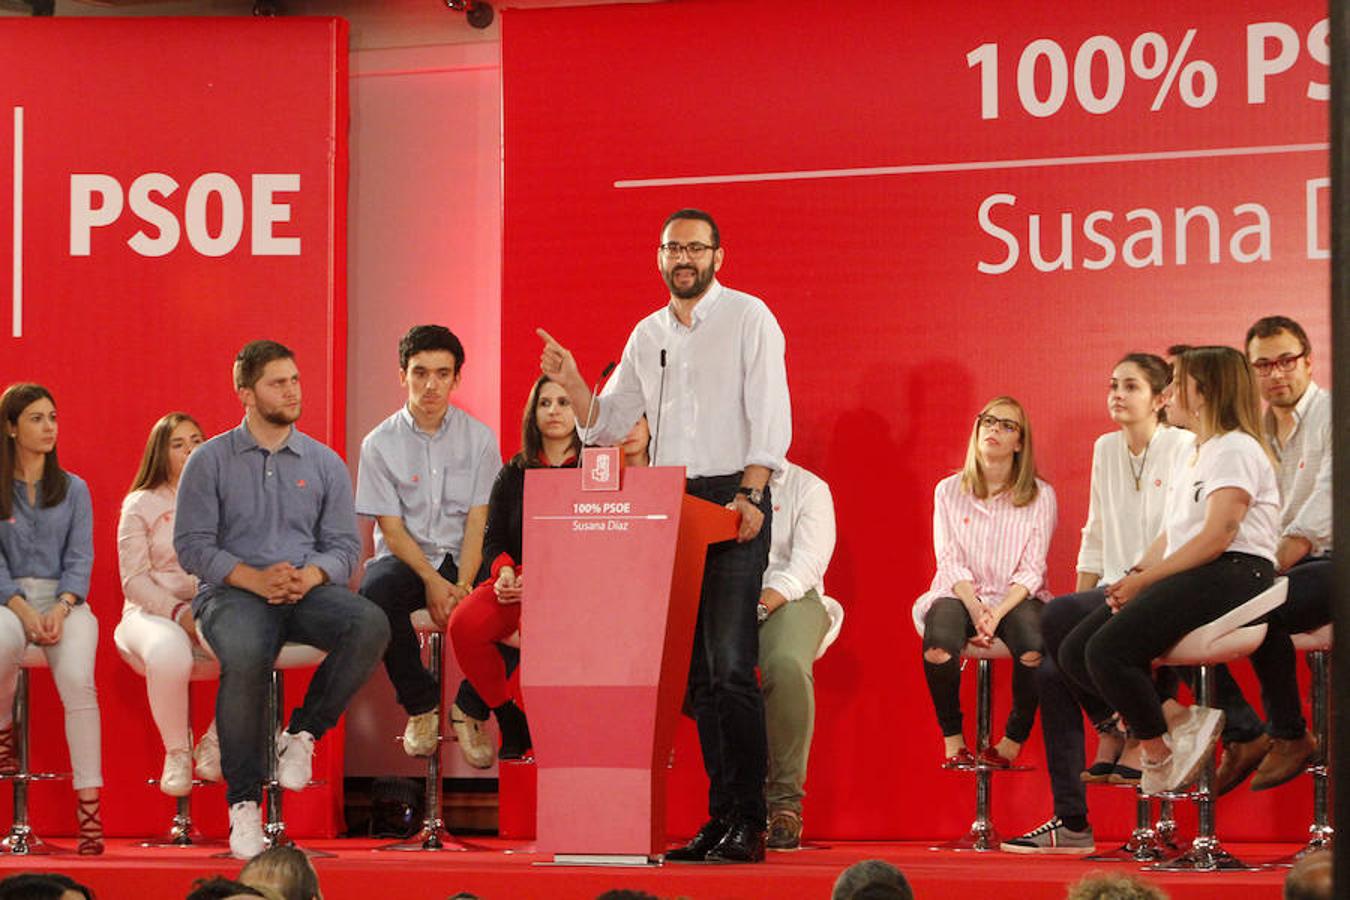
(718, 356)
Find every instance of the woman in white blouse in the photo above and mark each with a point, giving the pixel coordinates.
(1131, 470)
(992, 523)
(157, 624)
(1217, 550)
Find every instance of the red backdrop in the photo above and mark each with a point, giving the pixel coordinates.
(122, 337)
(860, 127)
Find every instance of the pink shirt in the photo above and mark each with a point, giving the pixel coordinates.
(151, 577)
(990, 543)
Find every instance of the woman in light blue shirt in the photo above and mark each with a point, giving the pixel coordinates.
(46, 556)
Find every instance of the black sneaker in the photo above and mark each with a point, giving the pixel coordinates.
(1052, 837)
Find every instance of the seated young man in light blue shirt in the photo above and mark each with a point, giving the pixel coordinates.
(425, 476)
(265, 520)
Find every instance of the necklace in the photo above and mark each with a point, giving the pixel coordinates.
(1129, 458)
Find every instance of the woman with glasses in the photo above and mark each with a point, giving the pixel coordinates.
(1216, 551)
(157, 625)
(992, 523)
(46, 559)
(1131, 472)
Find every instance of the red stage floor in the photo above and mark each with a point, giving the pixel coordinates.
(126, 872)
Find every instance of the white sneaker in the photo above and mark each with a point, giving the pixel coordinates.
(295, 760)
(1193, 741)
(246, 834)
(207, 755)
(422, 735)
(176, 779)
(1156, 776)
(474, 741)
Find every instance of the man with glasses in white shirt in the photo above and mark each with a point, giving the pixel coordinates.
(708, 368)
(1297, 423)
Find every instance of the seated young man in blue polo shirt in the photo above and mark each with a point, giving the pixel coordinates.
(265, 520)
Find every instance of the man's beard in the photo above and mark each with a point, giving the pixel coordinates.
(699, 285)
(279, 415)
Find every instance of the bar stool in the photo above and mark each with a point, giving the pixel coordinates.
(22, 841)
(434, 835)
(982, 835)
(1143, 844)
(292, 656)
(1317, 644)
(204, 668)
(1230, 636)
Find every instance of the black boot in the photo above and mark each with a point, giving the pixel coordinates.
(515, 731)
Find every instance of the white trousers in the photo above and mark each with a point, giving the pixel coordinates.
(166, 652)
(72, 663)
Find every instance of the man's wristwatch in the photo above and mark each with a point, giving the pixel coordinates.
(761, 612)
(755, 495)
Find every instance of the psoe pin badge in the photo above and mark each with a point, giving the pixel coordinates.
(600, 469)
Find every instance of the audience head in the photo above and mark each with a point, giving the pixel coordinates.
(29, 425)
(688, 274)
(1139, 385)
(548, 413)
(1215, 392)
(44, 886)
(284, 869)
(219, 888)
(1282, 357)
(626, 894)
(1000, 432)
(268, 382)
(1100, 886)
(171, 440)
(1310, 878)
(872, 879)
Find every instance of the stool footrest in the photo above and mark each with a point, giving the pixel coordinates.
(36, 776)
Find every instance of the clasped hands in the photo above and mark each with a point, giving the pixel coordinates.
(986, 623)
(44, 629)
(1120, 592)
(282, 583)
(509, 586)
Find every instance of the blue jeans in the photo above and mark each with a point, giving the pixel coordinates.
(723, 691)
(246, 633)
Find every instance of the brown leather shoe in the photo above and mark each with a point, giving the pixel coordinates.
(1238, 760)
(1285, 761)
(785, 830)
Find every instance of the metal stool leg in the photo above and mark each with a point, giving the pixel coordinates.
(1165, 829)
(1206, 853)
(434, 834)
(22, 841)
(274, 831)
(982, 836)
(1143, 845)
(1320, 832)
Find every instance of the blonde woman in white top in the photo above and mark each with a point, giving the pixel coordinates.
(157, 625)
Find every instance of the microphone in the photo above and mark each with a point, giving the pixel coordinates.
(660, 402)
(590, 410)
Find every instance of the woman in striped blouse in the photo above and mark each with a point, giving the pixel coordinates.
(992, 523)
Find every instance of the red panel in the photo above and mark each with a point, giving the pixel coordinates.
(122, 337)
(895, 336)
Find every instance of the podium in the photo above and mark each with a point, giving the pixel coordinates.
(608, 613)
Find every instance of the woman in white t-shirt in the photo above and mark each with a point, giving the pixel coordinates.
(1217, 550)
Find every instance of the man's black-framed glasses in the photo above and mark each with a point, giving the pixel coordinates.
(695, 250)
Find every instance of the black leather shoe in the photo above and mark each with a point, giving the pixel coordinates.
(744, 842)
(697, 849)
